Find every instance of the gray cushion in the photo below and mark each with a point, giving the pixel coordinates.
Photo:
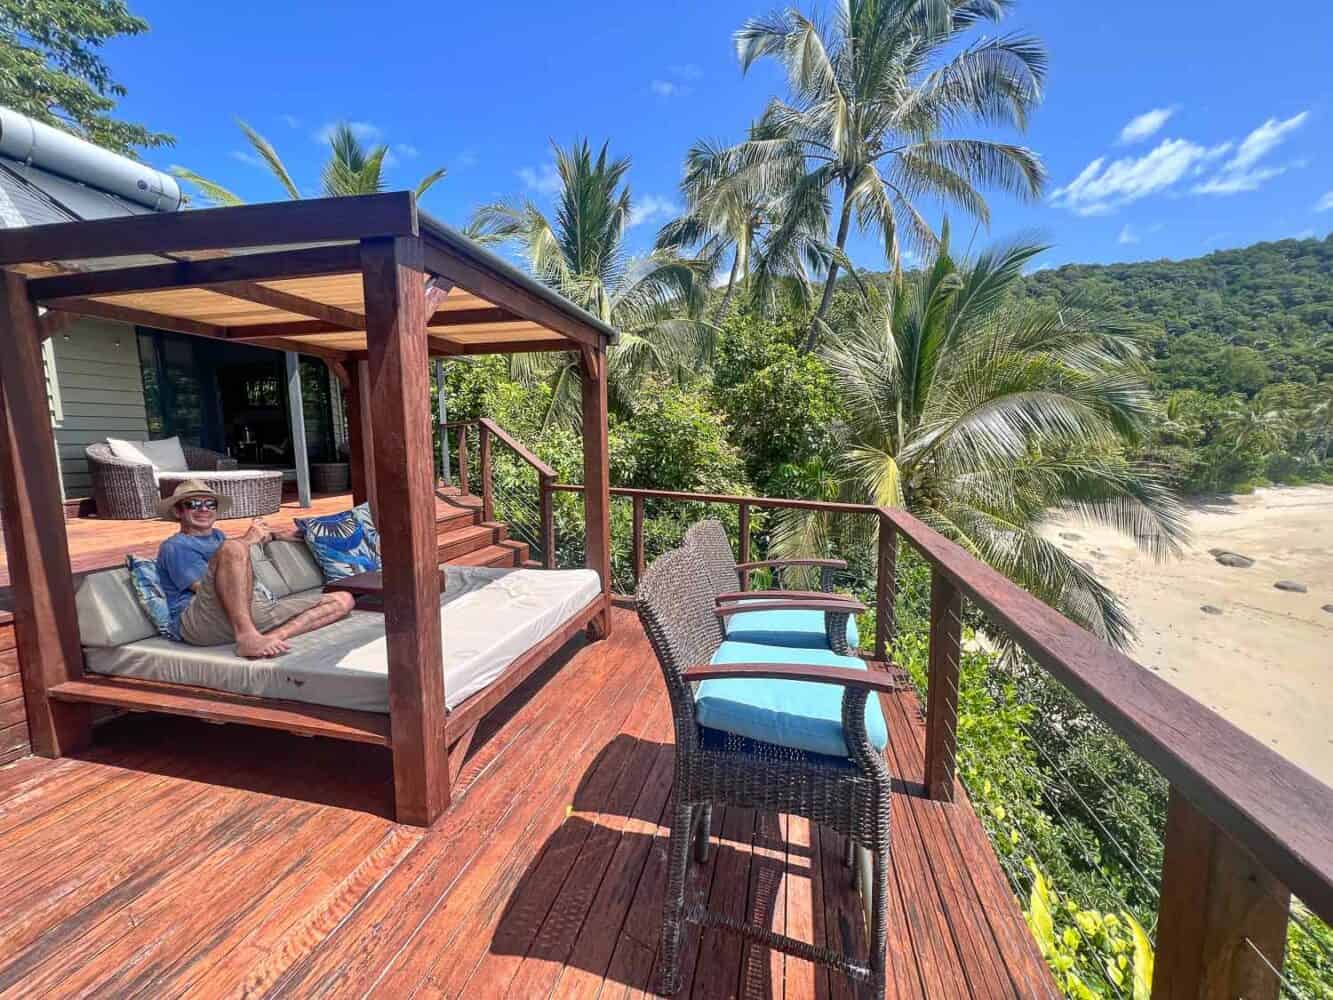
(297, 566)
(266, 573)
(109, 613)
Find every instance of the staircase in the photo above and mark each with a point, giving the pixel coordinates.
(464, 539)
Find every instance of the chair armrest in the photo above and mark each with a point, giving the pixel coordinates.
(781, 563)
(773, 595)
(846, 606)
(869, 680)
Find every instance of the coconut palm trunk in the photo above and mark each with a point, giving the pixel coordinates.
(825, 300)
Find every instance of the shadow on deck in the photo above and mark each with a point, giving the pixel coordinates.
(176, 856)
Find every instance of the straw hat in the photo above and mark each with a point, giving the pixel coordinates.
(166, 507)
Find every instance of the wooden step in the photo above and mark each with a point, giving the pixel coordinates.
(452, 518)
(505, 553)
(461, 541)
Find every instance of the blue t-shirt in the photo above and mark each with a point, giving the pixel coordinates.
(181, 560)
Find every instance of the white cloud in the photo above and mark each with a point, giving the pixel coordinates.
(1264, 139)
(669, 88)
(389, 161)
(249, 159)
(1102, 188)
(687, 71)
(1325, 204)
(406, 150)
(1305, 234)
(1127, 235)
(543, 179)
(1242, 172)
(291, 120)
(364, 131)
(652, 208)
(1145, 125)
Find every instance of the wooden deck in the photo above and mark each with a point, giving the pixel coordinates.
(177, 857)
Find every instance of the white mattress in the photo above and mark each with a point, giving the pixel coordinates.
(489, 617)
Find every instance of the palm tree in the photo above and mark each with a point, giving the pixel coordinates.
(1253, 425)
(351, 169)
(653, 300)
(728, 211)
(868, 116)
(981, 415)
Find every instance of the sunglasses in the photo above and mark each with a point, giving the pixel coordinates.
(198, 504)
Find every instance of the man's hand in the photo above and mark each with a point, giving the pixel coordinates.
(258, 533)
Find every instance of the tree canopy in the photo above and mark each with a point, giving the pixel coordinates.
(50, 68)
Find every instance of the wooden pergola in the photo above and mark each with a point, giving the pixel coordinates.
(368, 284)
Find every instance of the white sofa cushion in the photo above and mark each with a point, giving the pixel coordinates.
(165, 455)
(109, 613)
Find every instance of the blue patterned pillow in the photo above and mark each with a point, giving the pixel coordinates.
(363, 517)
(339, 545)
(148, 589)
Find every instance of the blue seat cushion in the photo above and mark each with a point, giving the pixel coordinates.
(794, 629)
(798, 714)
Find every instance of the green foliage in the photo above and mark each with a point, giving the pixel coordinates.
(780, 404)
(50, 68)
(351, 169)
(672, 440)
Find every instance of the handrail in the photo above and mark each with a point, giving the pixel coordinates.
(545, 475)
(1282, 814)
(1250, 794)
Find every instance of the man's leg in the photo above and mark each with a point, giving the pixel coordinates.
(331, 608)
(234, 582)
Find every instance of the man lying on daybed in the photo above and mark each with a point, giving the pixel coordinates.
(210, 586)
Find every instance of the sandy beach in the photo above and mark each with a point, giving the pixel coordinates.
(1264, 657)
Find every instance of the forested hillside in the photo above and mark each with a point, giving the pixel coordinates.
(1234, 321)
(1241, 356)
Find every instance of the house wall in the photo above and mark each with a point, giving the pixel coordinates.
(101, 393)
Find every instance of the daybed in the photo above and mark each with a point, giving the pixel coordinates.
(497, 624)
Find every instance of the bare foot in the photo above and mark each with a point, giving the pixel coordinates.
(260, 647)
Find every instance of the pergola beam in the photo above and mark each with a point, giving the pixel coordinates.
(314, 220)
(509, 295)
(276, 265)
(276, 298)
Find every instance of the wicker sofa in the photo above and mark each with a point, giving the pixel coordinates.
(128, 491)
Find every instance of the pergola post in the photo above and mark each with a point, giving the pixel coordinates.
(296, 403)
(597, 479)
(45, 620)
(395, 390)
(365, 435)
(356, 458)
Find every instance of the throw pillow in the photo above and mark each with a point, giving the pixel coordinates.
(339, 545)
(128, 451)
(363, 517)
(148, 589)
(167, 455)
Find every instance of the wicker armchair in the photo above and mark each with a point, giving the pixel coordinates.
(708, 540)
(128, 491)
(849, 793)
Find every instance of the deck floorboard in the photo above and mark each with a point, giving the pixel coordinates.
(176, 858)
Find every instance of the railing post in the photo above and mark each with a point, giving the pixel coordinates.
(636, 502)
(745, 544)
(544, 490)
(463, 486)
(946, 608)
(1222, 920)
(886, 588)
(487, 487)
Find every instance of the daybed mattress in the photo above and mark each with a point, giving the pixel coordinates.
(489, 618)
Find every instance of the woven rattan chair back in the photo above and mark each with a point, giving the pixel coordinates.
(708, 539)
(675, 604)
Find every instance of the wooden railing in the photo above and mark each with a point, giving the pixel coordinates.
(1245, 827)
(487, 431)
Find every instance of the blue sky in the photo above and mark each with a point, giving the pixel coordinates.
(1168, 129)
